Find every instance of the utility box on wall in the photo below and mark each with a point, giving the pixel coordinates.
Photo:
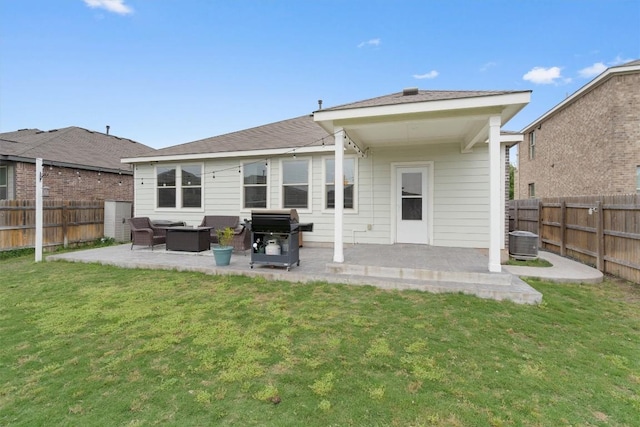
(116, 224)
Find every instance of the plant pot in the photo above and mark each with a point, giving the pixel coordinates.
(222, 255)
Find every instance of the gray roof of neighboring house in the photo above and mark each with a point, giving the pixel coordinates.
(303, 131)
(297, 132)
(71, 145)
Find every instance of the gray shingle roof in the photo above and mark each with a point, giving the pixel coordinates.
(302, 131)
(297, 132)
(71, 145)
(420, 96)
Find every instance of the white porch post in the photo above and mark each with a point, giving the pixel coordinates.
(338, 254)
(496, 223)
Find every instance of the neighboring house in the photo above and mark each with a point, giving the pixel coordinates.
(589, 144)
(421, 167)
(79, 164)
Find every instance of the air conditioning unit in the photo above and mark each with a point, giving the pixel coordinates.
(523, 245)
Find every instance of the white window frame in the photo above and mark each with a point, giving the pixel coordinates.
(638, 179)
(179, 187)
(309, 182)
(532, 190)
(243, 207)
(355, 184)
(532, 145)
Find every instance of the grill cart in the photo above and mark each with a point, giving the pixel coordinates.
(275, 237)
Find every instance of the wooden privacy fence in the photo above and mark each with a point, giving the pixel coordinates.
(64, 223)
(602, 231)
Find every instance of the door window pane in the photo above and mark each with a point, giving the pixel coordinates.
(412, 209)
(412, 196)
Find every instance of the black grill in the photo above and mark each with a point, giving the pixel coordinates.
(274, 221)
(274, 237)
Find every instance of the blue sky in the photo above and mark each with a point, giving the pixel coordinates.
(164, 72)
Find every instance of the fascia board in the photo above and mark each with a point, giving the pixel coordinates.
(577, 94)
(230, 154)
(424, 107)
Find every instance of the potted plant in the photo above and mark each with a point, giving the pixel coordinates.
(223, 250)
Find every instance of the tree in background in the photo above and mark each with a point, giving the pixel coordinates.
(512, 180)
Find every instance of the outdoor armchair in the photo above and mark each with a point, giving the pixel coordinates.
(241, 237)
(144, 233)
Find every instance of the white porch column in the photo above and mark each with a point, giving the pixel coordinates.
(496, 223)
(338, 253)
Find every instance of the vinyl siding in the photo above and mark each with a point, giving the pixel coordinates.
(460, 191)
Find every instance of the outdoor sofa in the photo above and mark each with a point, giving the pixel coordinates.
(241, 235)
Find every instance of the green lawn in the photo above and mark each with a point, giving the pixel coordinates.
(91, 345)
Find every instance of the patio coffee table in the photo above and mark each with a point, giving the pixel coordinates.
(189, 239)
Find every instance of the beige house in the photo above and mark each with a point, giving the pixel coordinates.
(420, 167)
(589, 144)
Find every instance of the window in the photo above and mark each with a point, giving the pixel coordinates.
(637, 179)
(179, 186)
(295, 184)
(4, 193)
(348, 181)
(191, 186)
(532, 145)
(255, 184)
(532, 191)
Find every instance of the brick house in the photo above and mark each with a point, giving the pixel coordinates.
(589, 144)
(79, 164)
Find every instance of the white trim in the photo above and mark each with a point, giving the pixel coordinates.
(429, 164)
(309, 161)
(481, 101)
(228, 154)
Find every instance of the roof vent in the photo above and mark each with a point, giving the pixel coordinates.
(409, 91)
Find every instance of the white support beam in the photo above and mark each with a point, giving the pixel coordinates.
(496, 223)
(338, 252)
(467, 145)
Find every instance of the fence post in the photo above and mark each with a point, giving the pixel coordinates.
(516, 220)
(600, 234)
(563, 228)
(65, 238)
(540, 207)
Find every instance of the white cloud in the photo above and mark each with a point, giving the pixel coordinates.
(115, 6)
(592, 70)
(488, 65)
(545, 76)
(430, 75)
(620, 60)
(372, 42)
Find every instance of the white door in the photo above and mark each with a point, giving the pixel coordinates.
(411, 205)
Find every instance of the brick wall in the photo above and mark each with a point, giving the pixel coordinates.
(73, 184)
(590, 147)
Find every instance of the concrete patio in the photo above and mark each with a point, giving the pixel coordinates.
(400, 266)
